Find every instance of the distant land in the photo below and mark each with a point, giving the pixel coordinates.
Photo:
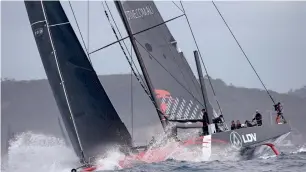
(30, 106)
(301, 92)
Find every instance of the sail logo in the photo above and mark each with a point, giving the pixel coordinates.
(38, 31)
(163, 95)
(139, 12)
(175, 107)
(237, 140)
(249, 138)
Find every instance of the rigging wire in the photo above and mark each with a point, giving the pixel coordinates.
(243, 52)
(161, 64)
(86, 49)
(88, 29)
(163, 35)
(209, 80)
(169, 73)
(177, 6)
(149, 28)
(146, 91)
(132, 103)
(131, 63)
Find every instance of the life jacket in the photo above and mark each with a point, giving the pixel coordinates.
(278, 119)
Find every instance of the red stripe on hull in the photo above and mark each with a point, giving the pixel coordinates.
(158, 154)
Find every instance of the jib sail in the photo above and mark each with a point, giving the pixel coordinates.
(89, 117)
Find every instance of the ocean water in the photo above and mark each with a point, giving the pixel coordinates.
(38, 152)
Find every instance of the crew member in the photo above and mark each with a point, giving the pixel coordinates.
(248, 124)
(258, 118)
(238, 124)
(233, 126)
(205, 122)
(278, 107)
(217, 120)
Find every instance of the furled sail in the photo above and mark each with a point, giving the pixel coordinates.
(175, 85)
(89, 117)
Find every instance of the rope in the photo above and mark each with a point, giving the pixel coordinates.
(136, 33)
(244, 53)
(163, 35)
(132, 105)
(88, 29)
(177, 6)
(131, 63)
(213, 90)
(169, 73)
(87, 52)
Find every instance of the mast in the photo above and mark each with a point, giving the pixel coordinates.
(203, 88)
(142, 66)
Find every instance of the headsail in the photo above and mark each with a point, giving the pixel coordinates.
(174, 83)
(89, 117)
(67, 142)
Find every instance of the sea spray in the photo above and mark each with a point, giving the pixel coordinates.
(34, 152)
(111, 160)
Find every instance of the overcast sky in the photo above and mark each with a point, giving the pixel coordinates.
(273, 35)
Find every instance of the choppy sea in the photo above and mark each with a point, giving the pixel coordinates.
(30, 152)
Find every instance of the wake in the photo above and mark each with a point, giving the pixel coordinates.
(34, 152)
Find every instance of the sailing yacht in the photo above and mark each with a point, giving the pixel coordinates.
(90, 119)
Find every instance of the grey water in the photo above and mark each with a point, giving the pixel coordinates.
(291, 159)
(38, 152)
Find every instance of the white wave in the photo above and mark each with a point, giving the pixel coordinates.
(111, 162)
(302, 149)
(37, 152)
(195, 153)
(34, 152)
(266, 156)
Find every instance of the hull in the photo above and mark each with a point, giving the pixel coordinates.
(244, 140)
(251, 136)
